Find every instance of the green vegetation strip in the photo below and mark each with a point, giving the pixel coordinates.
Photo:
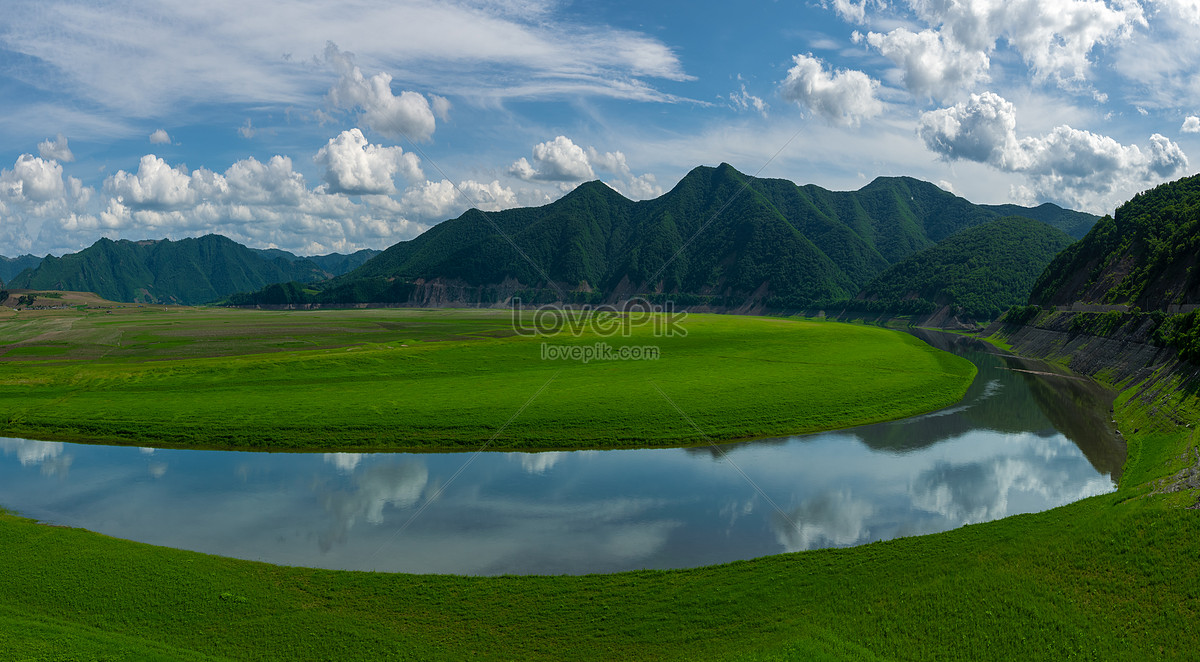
(398, 379)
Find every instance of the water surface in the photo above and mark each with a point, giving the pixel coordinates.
(1019, 442)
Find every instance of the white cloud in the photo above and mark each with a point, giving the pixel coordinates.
(854, 12)
(1190, 125)
(743, 100)
(642, 187)
(32, 179)
(931, 65)
(354, 166)
(982, 129)
(638, 187)
(1079, 168)
(558, 160)
(265, 204)
(441, 107)
(1054, 37)
(440, 200)
(150, 60)
(613, 162)
(155, 185)
(160, 137)
(1184, 11)
(247, 130)
(407, 115)
(35, 192)
(846, 97)
(567, 164)
(251, 182)
(56, 149)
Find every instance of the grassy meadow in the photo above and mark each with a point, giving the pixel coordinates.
(1107, 578)
(410, 379)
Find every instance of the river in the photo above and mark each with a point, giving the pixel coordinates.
(1025, 438)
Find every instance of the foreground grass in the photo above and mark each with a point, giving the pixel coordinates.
(400, 379)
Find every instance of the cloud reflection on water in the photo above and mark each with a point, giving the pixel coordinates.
(46, 454)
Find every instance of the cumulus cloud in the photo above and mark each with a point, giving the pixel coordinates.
(846, 97)
(854, 12)
(1077, 167)
(258, 203)
(1054, 37)
(354, 166)
(643, 187)
(155, 185)
(932, 66)
(252, 182)
(407, 115)
(1190, 125)
(160, 137)
(558, 160)
(32, 179)
(33, 192)
(562, 161)
(439, 200)
(56, 149)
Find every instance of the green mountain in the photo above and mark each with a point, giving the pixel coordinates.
(981, 271)
(11, 266)
(1144, 255)
(719, 237)
(189, 271)
(335, 264)
(1074, 223)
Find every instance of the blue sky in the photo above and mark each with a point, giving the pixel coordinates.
(319, 127)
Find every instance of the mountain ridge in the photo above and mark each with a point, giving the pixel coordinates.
(717, 235)
(187, 271)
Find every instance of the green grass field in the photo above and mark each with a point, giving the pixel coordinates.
(404, 379)
(1108, 578)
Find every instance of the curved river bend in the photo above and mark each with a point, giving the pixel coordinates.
(1019, 442)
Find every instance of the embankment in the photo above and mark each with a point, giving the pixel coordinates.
(1157, 407)
(1118, 348)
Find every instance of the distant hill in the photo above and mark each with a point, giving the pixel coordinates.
(980, 271)
(188, 271)
(1146, 255)
(335, 264)
(1074, 223)
(718, 238)
(11, 266)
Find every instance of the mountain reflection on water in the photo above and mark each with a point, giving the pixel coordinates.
(1019, 442)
